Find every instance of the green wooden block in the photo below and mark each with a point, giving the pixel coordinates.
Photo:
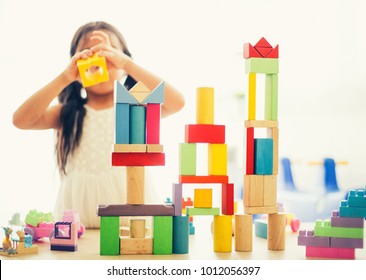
(187, 158)
(263, 156)
(180, 234)
(191, 211)
(137, 124)
(109, 236)
(324, 229)
(261, 65)
(163, 235)
(271, 97)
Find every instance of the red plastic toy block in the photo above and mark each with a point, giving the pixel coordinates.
(227, 199)
(205, 133)
(219, 179)
(153, 124)
(138, 159)
(330, 252)
(250, 51)
(273, 53)
(263, 43)
(250, 151)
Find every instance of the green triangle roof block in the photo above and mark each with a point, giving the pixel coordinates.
(122, 95)
(156, 96)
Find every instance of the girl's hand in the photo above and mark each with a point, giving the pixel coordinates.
(104, 48)
(71, 72)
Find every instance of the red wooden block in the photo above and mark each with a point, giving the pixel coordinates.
(219, 179)
(273, 53)
(138, 159)
(263, 43)
(153, 124)
(330, 252)
(263, 51)
(250, 51)
(227, 199)
(250, 151)
(205, 133)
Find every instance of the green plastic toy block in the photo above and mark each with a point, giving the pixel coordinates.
(324, 229)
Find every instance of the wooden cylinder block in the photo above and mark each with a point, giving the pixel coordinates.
(222, 234)
(276, 231)
(243, 233)
(137, 228)
(135, 184)
(205, 105)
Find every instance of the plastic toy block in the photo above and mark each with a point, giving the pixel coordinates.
(324, 229)
(336, 221)
(271, 97)
(154, 148)
(273, 133)
(222, 234)
(329, 252)
(138, 159)
(187, 158)
(227, 199)
(204, 179)
(262, 43)
(263, 156)
(250, 51)
(139, 91)
(136, 246)
(122, 95)
(192, 229)
(261, 65)
(261, 123)
(163, 235)
(205, 105)
(129, 148)
(250, 150)
(274, 53)
(65, 237)
(137, 228)
(355, 212)
(109, 236)
(180, 235)
(135, 210)
(122, 123)
(137, 124)
(357, 198)
(177, 199)
(253, 190)
(217, 159)
(337, 242)
(276, 231)
(243, 233)
(135, 184)
(156, 96)
(153, 123)
(93, 70)
(307, 238)
(186, 203)
(252, 97)
(269, 190)
(35, 217)
(191, 211)
(263, 51)
(202, 198)
(260, 210)
(261, 227)
(205, 133)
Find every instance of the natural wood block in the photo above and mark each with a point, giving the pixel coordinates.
(243, 233)
(273, 133)
(137, 228)
(136, 246)
(129, 148)
(253, 190)
(154, 148)
(261, 123)
(135, 185)
(270, 190)
(276, 231)
(261, 209)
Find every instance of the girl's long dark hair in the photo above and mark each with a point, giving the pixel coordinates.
(73, 110)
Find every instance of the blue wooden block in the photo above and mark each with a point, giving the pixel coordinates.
(122, 95)
(137, 124)
(261, 228)
(156, 96)
(180, 234)
(263, 156)
(122, 123)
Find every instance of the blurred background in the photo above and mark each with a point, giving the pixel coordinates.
(322, 85)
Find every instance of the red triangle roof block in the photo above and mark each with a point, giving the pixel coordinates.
(273, 53)
(250, 51)
(263, 51)
(263, 43)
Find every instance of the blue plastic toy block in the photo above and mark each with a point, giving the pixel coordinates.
(357, 198)
(263, 156)
(347, 211)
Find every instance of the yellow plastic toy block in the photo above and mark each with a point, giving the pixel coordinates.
(217, 159)
(93, 70)
(202, 198)
(205, 106)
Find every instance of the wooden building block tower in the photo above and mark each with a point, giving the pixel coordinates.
(261, 161)
(206, 132)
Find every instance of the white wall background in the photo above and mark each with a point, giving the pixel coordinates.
(192, 43)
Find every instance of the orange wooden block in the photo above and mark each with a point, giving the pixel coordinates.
(203, 179)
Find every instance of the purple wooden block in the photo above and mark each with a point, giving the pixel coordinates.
(338, 242)
(177, 199)
(311, 240)
(347, 222)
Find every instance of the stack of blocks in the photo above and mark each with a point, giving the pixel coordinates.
(342, 234)
(206, 132)
(137, 144)
(260, 179)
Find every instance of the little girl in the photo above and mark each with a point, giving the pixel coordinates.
(85, 124)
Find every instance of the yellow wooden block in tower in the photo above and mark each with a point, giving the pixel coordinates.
(140, 91)
(205, 105)
(93, 70)
(217, 159)
(222, 233)
(202, 198)
(252, 96)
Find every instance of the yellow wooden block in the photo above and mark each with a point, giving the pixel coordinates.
(136, 246)
(205, 105)
(253, 190)
(217, 159)
(202, 198)
(270, 190)
(222, 233)
(252, 96)
(93, 70)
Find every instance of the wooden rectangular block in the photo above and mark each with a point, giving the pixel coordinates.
(261, 65)
(191, 211)
(163, 235)
(129, 148)
(180, 234)
(137, 124)
(217, 159)
(153, 123)
(202, 198)
(227, 199)
(136, 246)
(187, 158)
(154, 148)
(329, 252)
(135, 210)
(222, 234)
(243, 233)
(260, 209)
(253, 190)
(137, 228)
(109, 236)
(135, 184)
(263, 156)
(122, 123)
(270, 190)
(250, 150)
(177, 199)
(138, 159)
(205, 105)
(273, 133)
(252, 96)
(204, 133)
(276, 231)
(261, 123)
(271, 97)
(220, 179)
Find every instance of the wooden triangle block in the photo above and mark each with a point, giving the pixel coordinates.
(139, 91)
(273, 53)
(263, 51)
(263, 43)
(122, 95)
(156, 96)
(250, 51)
